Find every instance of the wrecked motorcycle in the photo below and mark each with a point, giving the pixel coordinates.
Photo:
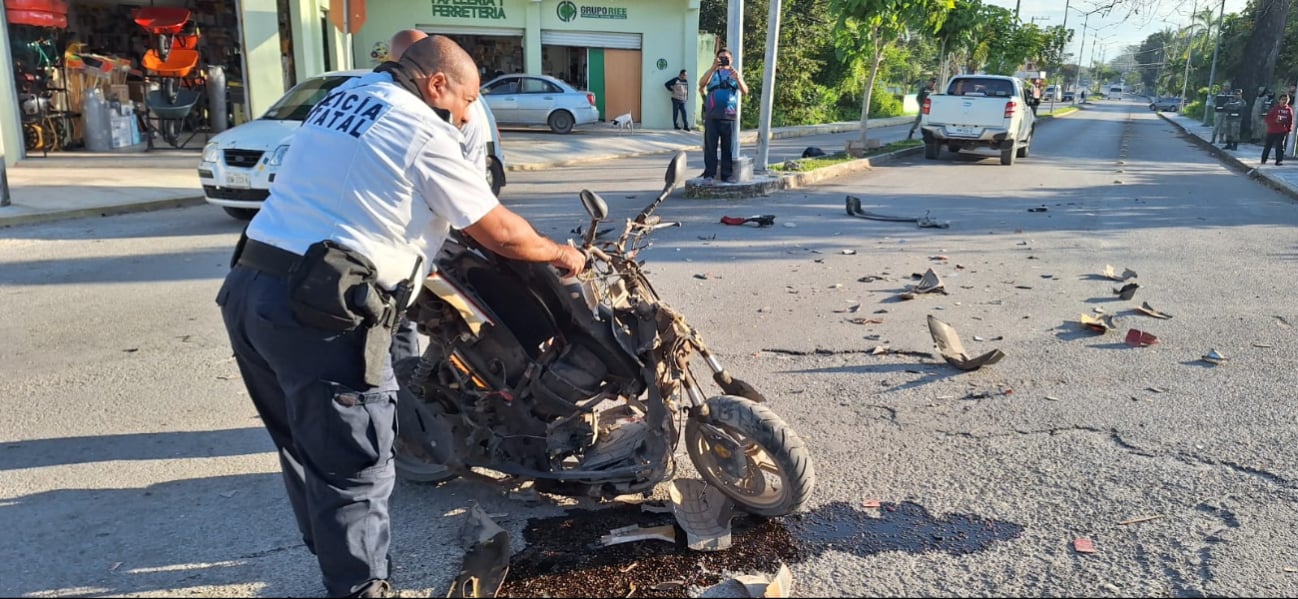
(581, 384)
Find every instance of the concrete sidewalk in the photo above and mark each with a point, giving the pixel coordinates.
(79, 184)
(1248, 158)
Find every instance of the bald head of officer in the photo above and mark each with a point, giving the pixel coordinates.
(402, 42)
(445, 75)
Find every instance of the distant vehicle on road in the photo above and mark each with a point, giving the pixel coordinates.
(1168, 103)
(1069, 96)
(980, 112)
(1116, 91)
(1052, 94)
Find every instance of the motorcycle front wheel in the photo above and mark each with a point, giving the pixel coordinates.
(751, 455)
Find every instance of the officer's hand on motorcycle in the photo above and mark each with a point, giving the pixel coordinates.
(570, 260)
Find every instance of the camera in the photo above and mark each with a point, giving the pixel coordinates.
(725, 61)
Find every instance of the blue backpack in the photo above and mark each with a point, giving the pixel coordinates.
(723, 97)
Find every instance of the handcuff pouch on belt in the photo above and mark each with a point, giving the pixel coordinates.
(333, 288)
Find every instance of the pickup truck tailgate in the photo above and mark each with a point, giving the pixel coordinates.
(965, 116)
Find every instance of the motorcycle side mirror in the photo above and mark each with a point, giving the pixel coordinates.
(675, 171)
(595, 205)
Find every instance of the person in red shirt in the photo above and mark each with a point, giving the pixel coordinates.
(1279, 122)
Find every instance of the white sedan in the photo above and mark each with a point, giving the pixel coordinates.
(239, 165)
(539, 100)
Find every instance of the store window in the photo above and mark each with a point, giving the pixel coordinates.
(494, 55)
(566, 63)
(106, 46)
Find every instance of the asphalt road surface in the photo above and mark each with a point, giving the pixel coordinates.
(133, 464)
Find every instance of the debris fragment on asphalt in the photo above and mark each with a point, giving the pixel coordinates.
(1262, 345)
(1145, 308)
(1213, 357)
(923, 222)
(852, 309)
(1112, 273)
(1127, 291)
(849, 252)
(928, 283)
(1083, 545)
(1140, 519)
(1156, 389)
(703, 512)
(633, 533)
(486, 558)
(1051, 398)
(1037, 209)
(952, 350)
(761, 220)
(1138, 338)
(860, 320)
(870, 503)
(1099, 324)
(754, 585)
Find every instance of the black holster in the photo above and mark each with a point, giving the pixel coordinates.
(334, 288)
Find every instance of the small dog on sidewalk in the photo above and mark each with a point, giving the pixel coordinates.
(625, 123)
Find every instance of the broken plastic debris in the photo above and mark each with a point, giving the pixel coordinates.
(1127, 291)
(761, 220)
(870, 503)
(948, 344)
(630, 534)
(923, 222)
(1083, 545)
(929, 283)
(849, 252)
(754, 585)
(1037, 209)
(1213, 357)
(1112, 273)
(1099, 324)
(1137, 338)
(703, 512)
(1149, 310)
(486, 558)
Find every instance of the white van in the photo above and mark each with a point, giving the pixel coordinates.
(1053, 93)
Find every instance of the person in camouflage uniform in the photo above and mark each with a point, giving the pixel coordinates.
(1234, 113)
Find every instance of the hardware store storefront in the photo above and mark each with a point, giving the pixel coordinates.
(621, 50)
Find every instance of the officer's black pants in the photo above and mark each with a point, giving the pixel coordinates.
(718, 137)
(334, 436)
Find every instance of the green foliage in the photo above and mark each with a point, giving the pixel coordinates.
(884, 104)
(1193, 109)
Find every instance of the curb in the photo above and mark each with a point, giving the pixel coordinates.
(45, 217)
(1234, 161)
(795, 180)
(748, 137)
(798, 180)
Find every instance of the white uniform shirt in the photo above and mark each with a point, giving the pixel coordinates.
(375, 169)
(476, 136)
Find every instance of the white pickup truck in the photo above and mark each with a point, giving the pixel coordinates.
(980, 112)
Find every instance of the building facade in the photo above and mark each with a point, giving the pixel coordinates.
(622, 51)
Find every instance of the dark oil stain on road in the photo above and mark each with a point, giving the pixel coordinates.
(562, 558)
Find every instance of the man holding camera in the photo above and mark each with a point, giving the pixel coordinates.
(720, 87)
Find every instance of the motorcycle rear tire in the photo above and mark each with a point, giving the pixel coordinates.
(759, 425)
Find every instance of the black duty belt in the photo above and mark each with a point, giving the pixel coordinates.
(268, 258)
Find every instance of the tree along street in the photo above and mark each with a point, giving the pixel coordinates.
(134, 463)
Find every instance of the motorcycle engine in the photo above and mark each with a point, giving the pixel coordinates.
(577, 374)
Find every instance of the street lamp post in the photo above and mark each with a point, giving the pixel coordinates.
(1189, 53)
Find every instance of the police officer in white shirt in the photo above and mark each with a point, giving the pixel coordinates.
(369, 188)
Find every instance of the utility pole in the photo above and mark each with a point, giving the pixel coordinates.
(1209, 106)
(1082, 50)
(1189, 53)
(735, 43)
(1017, 5)
(768, 87)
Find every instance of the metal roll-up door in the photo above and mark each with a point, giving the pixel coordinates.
(485, 31)
(591, 39)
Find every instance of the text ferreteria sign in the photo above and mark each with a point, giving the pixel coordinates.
(567, 11)
(469, 9)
